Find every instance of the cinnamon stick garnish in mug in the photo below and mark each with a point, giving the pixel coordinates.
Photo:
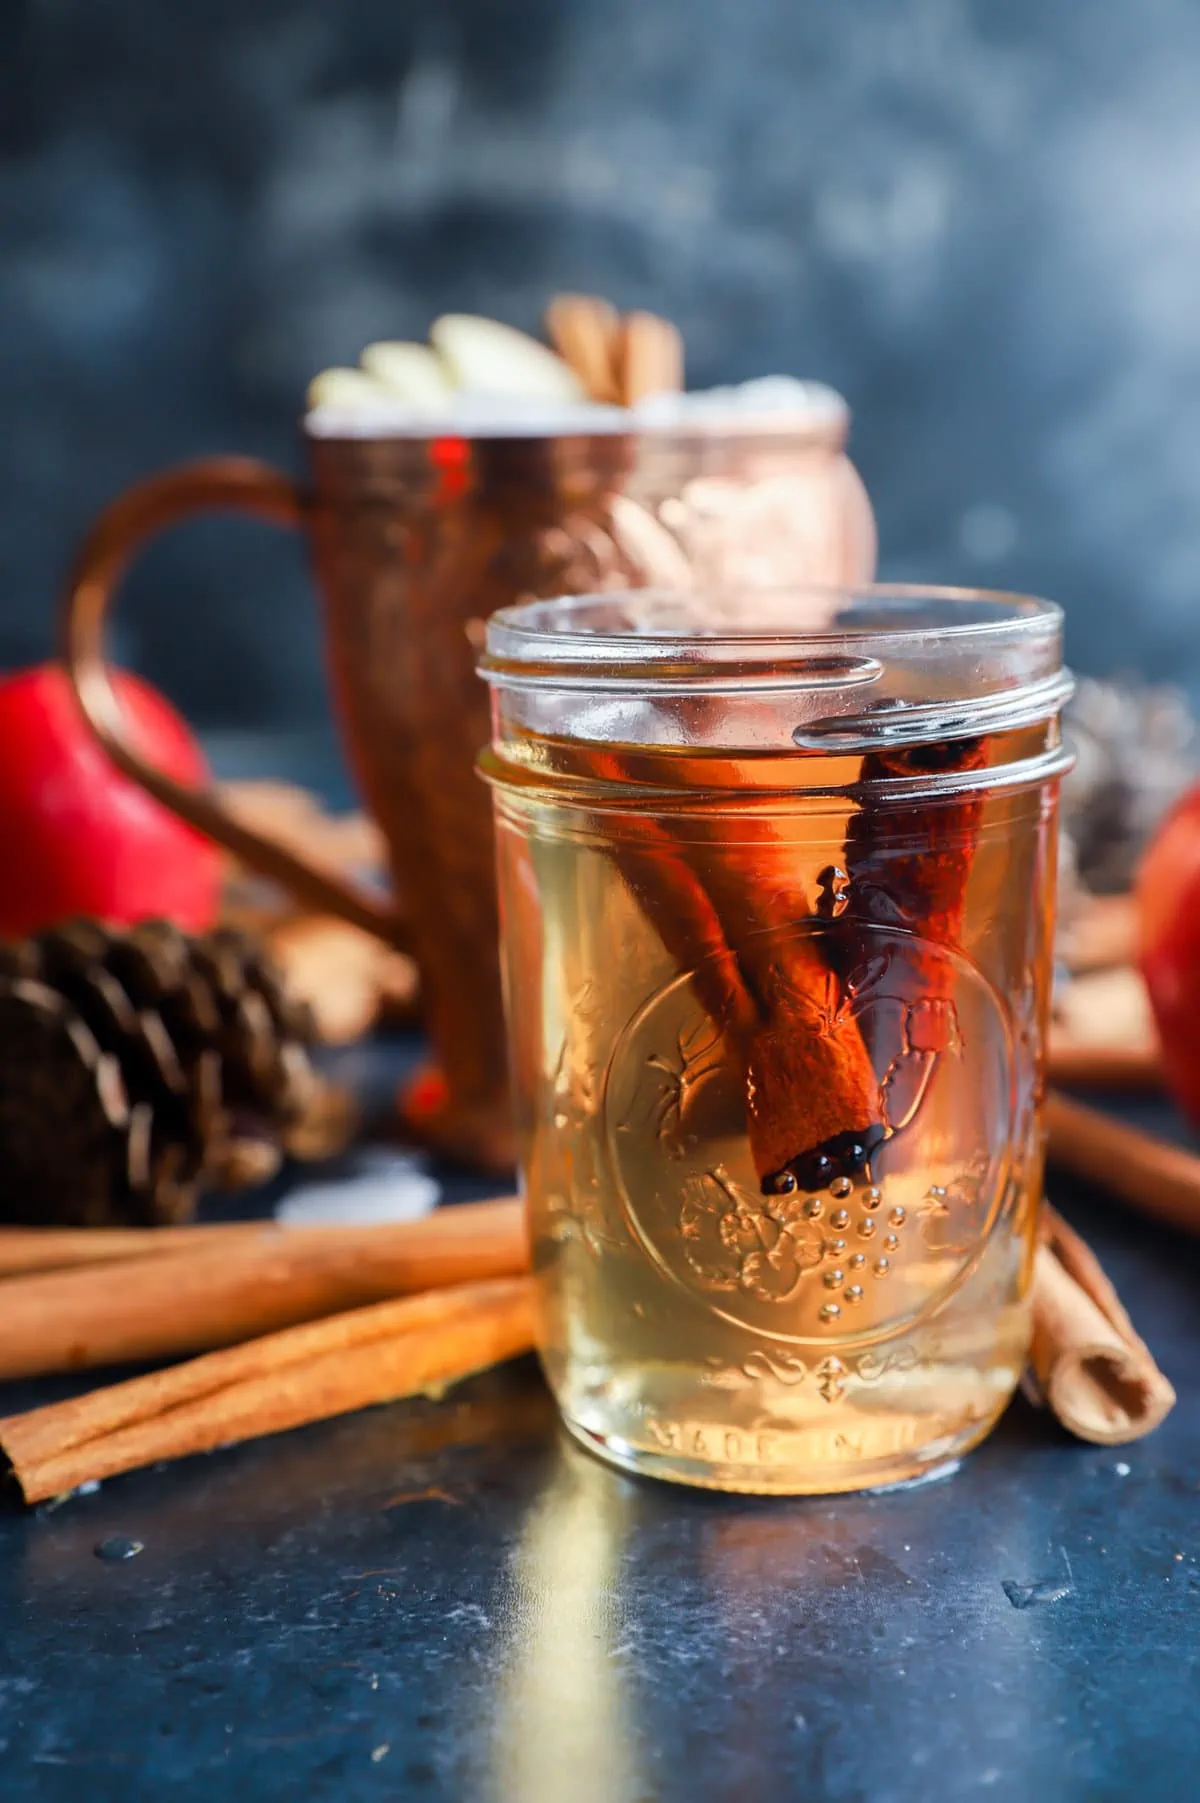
(1094, 1371)
(1160, 1179)
(650, 359)
(285, 1380)
(586, 333)
(186, 1300)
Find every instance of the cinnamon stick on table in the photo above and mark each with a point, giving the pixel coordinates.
(203, 1293)
(1094, 1371)
(27, 1249)
(286, 1380)
(586, 332)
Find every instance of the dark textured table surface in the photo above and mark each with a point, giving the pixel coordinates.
(451, 1601)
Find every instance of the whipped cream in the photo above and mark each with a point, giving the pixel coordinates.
(767, 404)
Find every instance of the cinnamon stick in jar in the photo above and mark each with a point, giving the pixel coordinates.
(815, 1100)
(729, 912)
(908, 863)
(1094, 1371)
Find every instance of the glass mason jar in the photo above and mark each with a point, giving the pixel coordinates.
(776, 880)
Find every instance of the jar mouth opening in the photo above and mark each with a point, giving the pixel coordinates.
(789, 630)
(819, 668)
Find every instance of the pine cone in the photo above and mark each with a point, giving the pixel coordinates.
(137, 1067)
(1136, 751)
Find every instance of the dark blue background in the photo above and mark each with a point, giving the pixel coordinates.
(979, 220)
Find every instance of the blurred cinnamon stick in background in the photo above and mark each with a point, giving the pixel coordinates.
(586, 332)
(1160, 1179)
(27, 1249)
(1100, 932)
(1082, 1066)
(210, 1286)
(650, 357)
(1096, 1374)
(1103, 1034)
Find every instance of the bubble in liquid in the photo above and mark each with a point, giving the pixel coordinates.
(834, 1248)
(882, 1267)
(858, 1260)
(898, 1217)
(891, 1241)
(854, 1292)
(840, 1218)
(830, 1311)
(841, 1187)
(814, 1208)
(866, 1228)
(872, 1197)
(833, 1279)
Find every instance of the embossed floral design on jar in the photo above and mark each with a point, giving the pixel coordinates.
(842, 1256)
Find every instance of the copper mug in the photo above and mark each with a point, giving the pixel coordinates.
(415, 541)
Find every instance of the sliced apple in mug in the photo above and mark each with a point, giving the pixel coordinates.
(487, 358)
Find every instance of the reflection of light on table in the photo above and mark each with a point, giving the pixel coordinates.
(563, 1690)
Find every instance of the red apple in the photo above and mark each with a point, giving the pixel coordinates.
(77, 836)
(1168, 903)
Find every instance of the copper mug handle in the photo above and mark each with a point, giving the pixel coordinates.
(231, 485)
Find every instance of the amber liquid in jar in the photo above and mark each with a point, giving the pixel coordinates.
(869, 1321)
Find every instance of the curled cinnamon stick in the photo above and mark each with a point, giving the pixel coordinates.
(285, 1380)
(191, 1298)
(1160, 1179)
(1096, 1374)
